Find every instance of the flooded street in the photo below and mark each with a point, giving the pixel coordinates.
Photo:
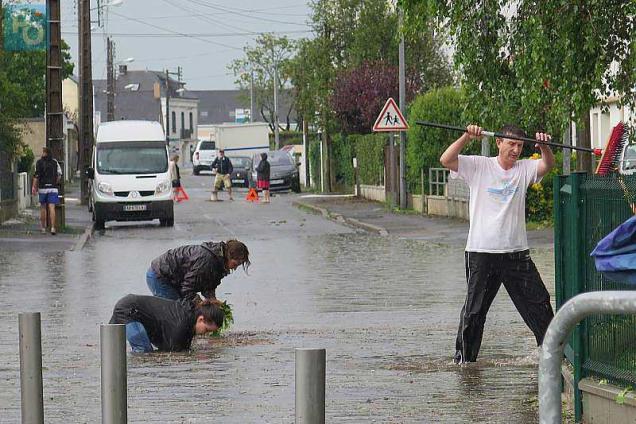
(385, 308)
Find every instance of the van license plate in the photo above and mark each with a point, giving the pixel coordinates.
(276, 181)
(134, 208)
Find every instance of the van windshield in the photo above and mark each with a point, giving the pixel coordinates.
(132, 158)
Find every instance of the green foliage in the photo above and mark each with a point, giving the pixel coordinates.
(26, 159)
(228, 320)
(342, 152)
(314, 162)
(369, 151)
(425, 145)
(536, 63)
(539, 198)
(290, 137)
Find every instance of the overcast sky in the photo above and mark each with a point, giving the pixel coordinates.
(201, 36)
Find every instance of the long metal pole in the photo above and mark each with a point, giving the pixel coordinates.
(402, 90)
(112, 338)
(573, 311)
(31, 368)
(167, 108)
(310, 386)
(276, 130)
(597, 152)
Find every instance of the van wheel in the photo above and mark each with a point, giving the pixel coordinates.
(196, 170)
(98, 219)
(168, 222)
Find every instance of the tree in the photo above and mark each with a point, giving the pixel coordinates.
(360, 92)
(537, 63)
(270, 52)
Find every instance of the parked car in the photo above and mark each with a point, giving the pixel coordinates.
(628, 160)
(203, 156)
(283, 170)
(242, 170)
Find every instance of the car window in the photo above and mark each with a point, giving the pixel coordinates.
(629, 160)
(207, 145)
(240, 162)
(275, 159)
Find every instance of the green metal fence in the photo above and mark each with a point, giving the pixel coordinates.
(586, 209)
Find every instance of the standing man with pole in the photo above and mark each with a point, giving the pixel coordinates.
(497, 248)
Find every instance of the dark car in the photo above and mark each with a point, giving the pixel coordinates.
(283, 174)
(242, 168)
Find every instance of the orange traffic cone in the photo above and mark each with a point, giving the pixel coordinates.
(252, 195)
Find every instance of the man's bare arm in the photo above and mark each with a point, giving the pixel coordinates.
(450, 157)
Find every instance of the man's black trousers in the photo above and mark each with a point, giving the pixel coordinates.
(485, 272)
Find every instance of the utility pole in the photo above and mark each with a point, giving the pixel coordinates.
(54, 112)
(402, 89)
(276, 132)
(167, 107)
(85, 96)
(110, 81)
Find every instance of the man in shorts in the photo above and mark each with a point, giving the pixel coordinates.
(222, 168)
(45, 183)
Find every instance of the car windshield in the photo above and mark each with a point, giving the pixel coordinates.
(132, 158)
(276, 159)
(629, 160)
(207, 145)
(240, 162)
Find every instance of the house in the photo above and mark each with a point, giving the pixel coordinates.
(145, 95)
(605, 116)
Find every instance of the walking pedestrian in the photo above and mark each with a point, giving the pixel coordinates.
(262, 176)
(182, 272)
(222, 168)
(46, 181)
(497, 248)
(168, 325)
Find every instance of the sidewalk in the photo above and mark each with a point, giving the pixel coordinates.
(376, 217)
(23, 231)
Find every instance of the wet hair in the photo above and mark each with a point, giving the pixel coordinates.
(210, 310)
(236, 250)
(263, 156)
(46, 150)
(510, 129)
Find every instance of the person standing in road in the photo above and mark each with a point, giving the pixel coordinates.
(45, 183)
(222, 168)
(497, 248)
(182, 272)
(168, 325)
(262, 176)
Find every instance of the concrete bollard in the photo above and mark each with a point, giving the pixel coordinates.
(112, 338)
(30, 335)
(310, 386)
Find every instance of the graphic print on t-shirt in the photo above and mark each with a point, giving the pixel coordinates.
(503, 194)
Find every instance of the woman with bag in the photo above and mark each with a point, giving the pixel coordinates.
(178, 192)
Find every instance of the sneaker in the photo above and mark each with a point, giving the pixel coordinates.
(42, 230)
(457, 359)
(53, 232)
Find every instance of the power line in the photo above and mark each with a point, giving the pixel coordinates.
(189, 35)
(259, 18)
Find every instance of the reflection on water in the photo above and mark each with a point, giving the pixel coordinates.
(386, 310)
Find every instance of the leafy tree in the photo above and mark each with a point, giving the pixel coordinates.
(537, 63)
(270, 52)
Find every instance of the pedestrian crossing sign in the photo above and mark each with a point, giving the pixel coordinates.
(390, 119)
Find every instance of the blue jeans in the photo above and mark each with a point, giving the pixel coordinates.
(159, 287)
(138, 338)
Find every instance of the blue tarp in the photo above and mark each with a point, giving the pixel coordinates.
(615, 255)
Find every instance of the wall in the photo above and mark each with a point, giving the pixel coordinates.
(375, 193)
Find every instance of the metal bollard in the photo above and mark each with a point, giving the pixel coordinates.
(30, 335)
(573, 311)
(112, 338)
(310, 386)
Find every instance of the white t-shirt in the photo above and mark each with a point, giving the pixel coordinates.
(497, 202)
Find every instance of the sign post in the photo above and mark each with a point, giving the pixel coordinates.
(391, 120)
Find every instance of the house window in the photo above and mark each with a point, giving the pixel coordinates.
(191, 122)
(182, 121)
(174, 122)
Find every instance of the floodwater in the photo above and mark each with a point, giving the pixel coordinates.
(386, 309)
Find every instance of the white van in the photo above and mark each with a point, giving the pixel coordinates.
(129, 173)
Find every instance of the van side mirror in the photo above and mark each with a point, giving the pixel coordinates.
(90, 173)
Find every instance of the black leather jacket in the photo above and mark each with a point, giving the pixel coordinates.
(193, 268)
(223, 165)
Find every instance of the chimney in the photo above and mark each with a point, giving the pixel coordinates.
(123, 69)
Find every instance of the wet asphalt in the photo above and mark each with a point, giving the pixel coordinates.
(385, 308)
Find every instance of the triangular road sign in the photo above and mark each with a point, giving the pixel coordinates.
(390, 119)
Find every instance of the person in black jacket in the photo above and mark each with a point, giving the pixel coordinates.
(169, 325)
(46, 181)
(184, 271)
(262, 176)
(222, 168)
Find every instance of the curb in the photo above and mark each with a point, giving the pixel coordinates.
(79, 245)
(342, 219)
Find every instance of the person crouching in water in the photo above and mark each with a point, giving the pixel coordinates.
(168, 325)
(182, 272)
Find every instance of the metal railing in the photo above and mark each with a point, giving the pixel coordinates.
(586, 209)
